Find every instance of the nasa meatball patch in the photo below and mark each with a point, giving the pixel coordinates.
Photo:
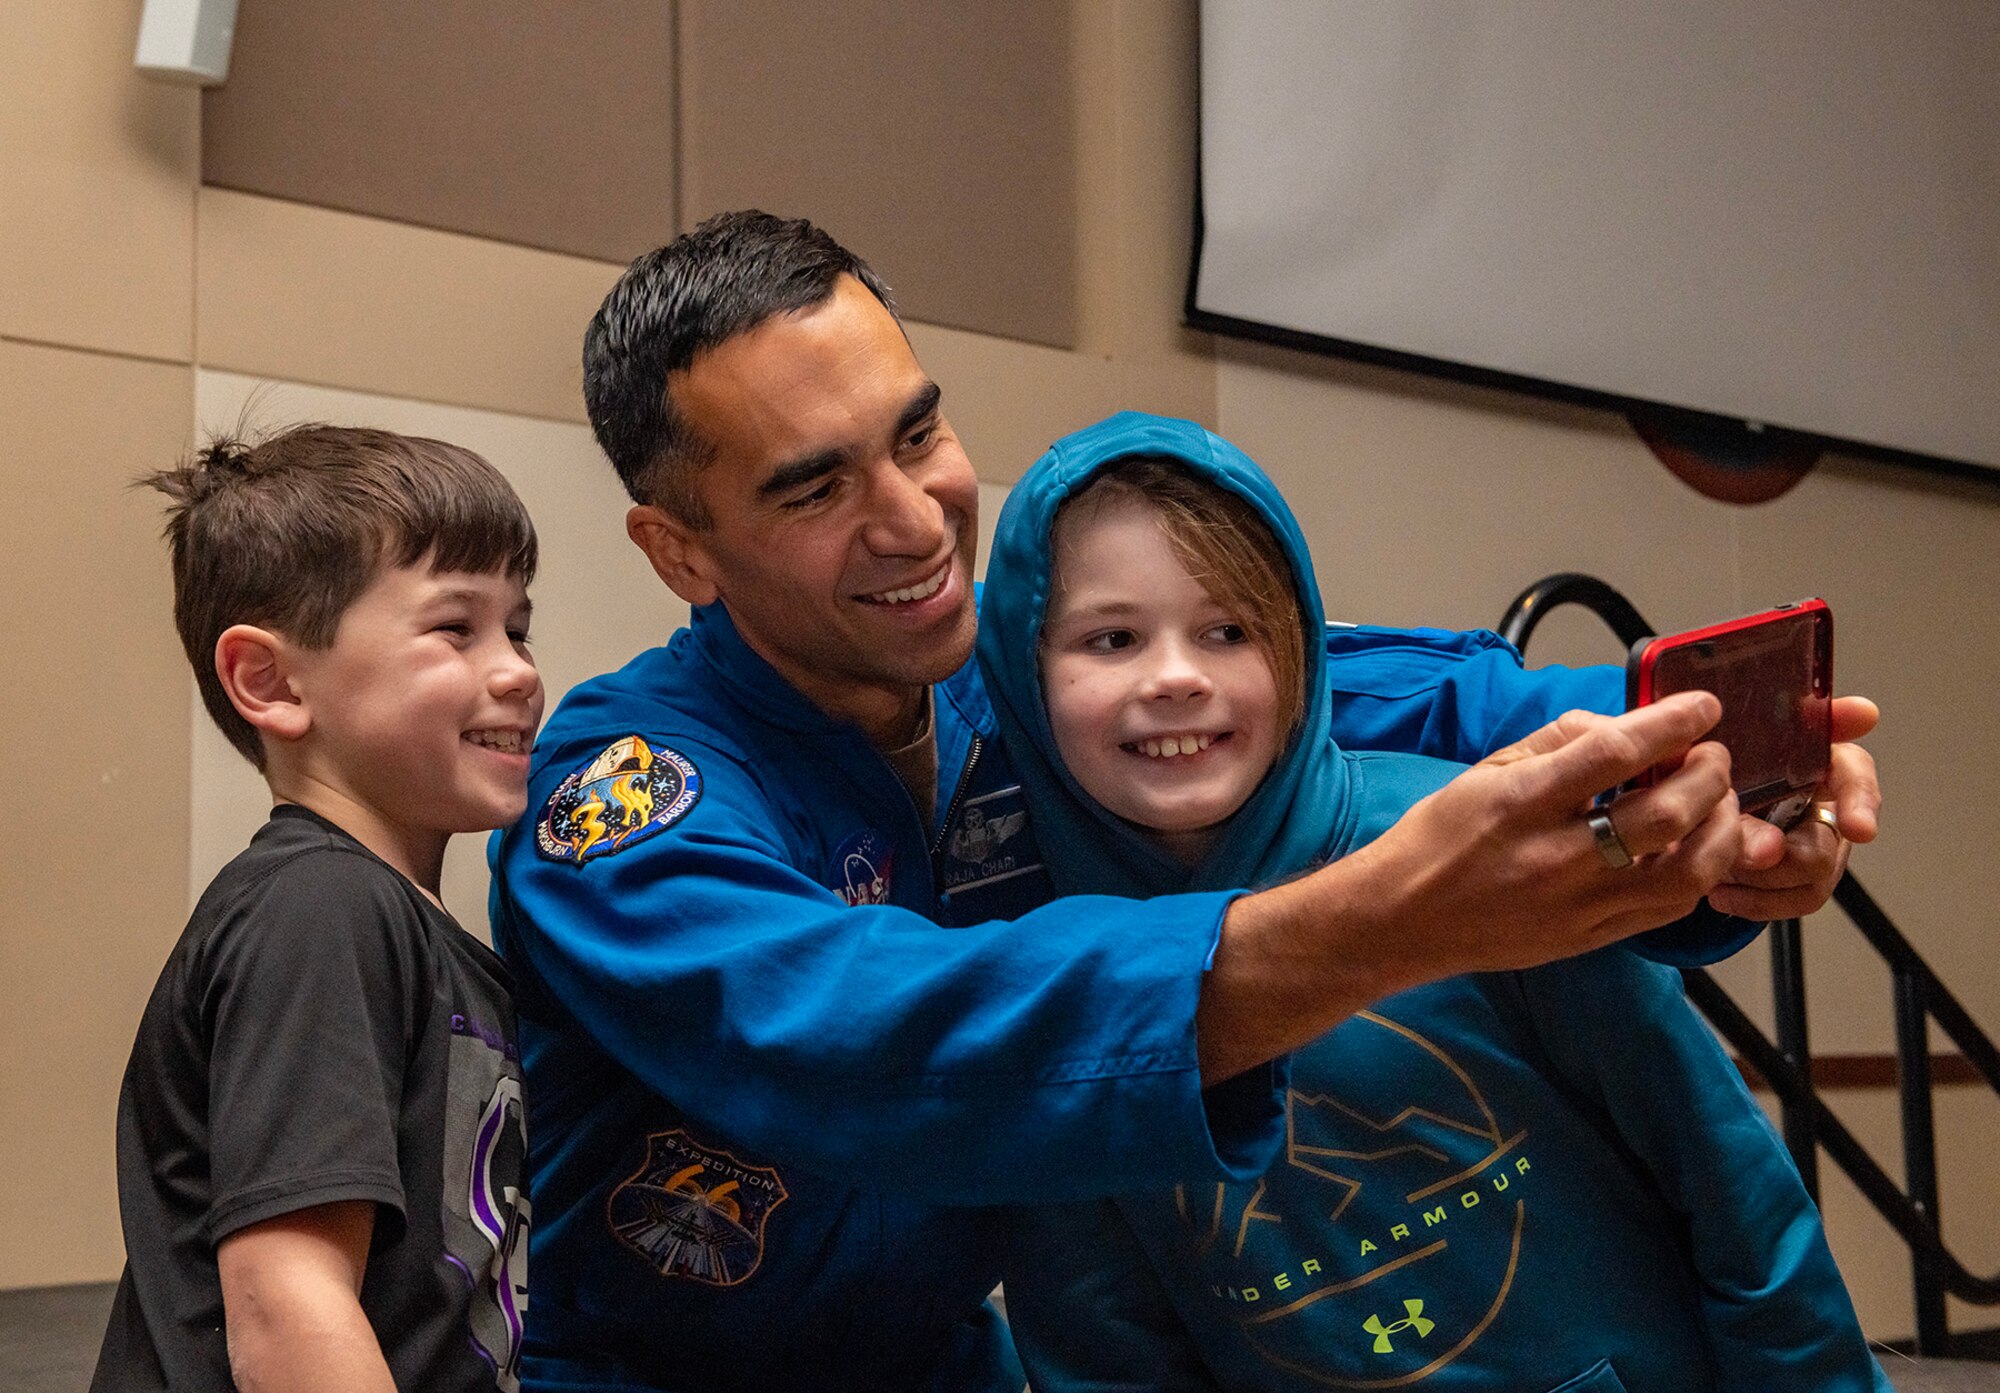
(863, 868)
(621, 797)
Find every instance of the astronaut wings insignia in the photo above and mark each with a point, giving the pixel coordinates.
(978, 837)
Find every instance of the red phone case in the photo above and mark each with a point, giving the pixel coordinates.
(1774, 675)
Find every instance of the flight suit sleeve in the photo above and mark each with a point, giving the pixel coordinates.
(1457, 696)
(1051, 1056)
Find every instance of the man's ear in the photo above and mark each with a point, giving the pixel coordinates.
(676, 551)
(254, 666)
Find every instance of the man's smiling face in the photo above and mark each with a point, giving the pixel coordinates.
(842, 508)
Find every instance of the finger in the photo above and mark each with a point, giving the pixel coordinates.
(1764, 847)
(1853, 717)
(1552, 736)
(1651, 820)
(1808, 855)
(1793, 902)
(1668, 886)
(1612, 750)
(1706, 854)
(1856, 793)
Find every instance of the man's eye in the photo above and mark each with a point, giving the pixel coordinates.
(921, 437)
(818, 495)
(1109, 641)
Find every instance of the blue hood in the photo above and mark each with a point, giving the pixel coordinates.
(1298, 816)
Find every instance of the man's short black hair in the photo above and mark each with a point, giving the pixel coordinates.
(724, 278)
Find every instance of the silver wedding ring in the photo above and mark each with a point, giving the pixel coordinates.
(1610, 845)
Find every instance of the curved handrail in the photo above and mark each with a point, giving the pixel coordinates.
(1532, 606)
(1919, 996)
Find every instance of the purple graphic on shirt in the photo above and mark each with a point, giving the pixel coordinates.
(487, 1216)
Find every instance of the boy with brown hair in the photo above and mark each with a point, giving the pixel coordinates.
(320, 1147)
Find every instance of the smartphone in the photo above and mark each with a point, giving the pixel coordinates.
(1774, 675)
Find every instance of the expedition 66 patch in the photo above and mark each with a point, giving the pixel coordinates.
(695, 1211)
(623, 796)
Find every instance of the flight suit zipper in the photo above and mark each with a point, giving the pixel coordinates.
(951, 810)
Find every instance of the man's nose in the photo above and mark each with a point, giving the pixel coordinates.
(903, 518)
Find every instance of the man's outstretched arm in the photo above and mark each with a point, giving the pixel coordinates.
(848, 1038)
(1464, 695)
(1496, 870)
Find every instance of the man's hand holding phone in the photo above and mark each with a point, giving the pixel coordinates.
(1789, 874)
(1794, 762)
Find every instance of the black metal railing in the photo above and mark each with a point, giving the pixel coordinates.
(1809, 1126)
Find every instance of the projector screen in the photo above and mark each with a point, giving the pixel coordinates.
(1781, 212)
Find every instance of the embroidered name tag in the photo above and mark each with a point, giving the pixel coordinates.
(989, 841)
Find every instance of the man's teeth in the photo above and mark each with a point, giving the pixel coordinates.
(510, 742)
(1167, 746)
(915, 592)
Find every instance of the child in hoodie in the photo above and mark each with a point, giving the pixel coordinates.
(1551, 1179)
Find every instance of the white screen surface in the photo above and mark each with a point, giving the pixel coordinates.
(1778, 211)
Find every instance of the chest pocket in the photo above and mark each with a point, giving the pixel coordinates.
(989, 865)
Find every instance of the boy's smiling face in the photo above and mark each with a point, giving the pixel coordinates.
(1161, 707)
(422, 711)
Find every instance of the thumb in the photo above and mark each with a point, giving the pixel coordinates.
(1608, 751)
(1571, 725)
(1853, 717)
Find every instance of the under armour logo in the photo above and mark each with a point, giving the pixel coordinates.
(1413, 1319)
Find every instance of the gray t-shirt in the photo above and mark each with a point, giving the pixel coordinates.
(323, 1032)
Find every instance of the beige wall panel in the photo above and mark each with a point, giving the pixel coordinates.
(597, 602)
(97, 174)
(1009, 400)
(935, 140)
(1432, 504)
(546, 125)
(94, 717)
(1910, 563)
(1136, 125)
(310, 295)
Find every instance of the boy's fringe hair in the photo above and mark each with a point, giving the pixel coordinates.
(284, 533)
(1225, 545)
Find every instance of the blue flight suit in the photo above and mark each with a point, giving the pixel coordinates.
(784, 1031)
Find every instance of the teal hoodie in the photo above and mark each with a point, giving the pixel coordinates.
(1516, 1181)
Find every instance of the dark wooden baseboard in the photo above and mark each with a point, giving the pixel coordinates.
(1871, 1071)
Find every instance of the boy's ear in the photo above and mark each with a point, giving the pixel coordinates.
(254, 666)
(676, 551)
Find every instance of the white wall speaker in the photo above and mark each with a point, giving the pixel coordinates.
(186, 40)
